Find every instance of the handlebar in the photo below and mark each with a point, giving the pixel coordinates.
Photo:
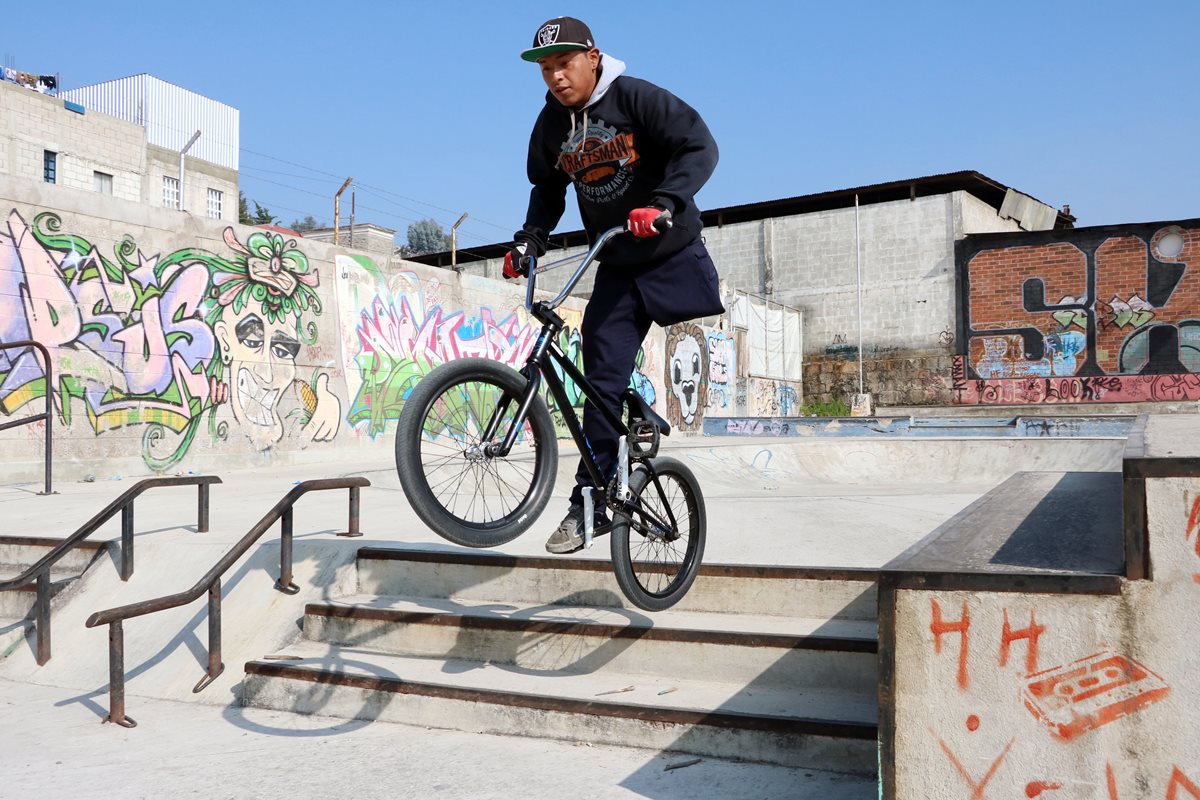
(662, 225)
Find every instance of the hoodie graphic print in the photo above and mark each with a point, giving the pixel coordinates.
(600, 161)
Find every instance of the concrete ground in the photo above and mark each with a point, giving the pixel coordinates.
(827, 502)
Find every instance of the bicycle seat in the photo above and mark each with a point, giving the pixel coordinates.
(640, 409)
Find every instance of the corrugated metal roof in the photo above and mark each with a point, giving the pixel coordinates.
(169, 113)
(990, 191)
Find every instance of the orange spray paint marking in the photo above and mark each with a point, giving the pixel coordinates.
(1193, 529)
(977, 788)
(972, 723)
(1112, 782)
(939, 626)
(1180, 781)
(1008, 636)
(1036, 788)
(1090, 693)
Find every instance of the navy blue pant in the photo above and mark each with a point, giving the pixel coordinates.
(625, 301)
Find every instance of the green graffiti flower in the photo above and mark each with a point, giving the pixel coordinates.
(269, 270)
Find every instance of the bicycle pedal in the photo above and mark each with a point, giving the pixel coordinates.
(643, 440)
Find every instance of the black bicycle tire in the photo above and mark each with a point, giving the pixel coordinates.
(621, 532)
(414, 481)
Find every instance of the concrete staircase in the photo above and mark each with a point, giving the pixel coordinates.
(18, 553)
(766, 664)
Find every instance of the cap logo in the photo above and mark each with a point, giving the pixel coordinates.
(548, 35)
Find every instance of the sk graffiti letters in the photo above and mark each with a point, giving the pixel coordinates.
(1125, 326)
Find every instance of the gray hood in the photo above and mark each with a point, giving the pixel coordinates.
(610, 69)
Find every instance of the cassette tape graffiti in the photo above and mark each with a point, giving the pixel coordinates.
(1090, 693)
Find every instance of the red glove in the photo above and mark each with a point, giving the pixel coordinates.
(647, 222)
(516, 264)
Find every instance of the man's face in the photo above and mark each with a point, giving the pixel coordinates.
(262, 364)
(571, 75)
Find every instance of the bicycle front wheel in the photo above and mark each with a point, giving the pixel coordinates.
(655, 561)
(465, 495)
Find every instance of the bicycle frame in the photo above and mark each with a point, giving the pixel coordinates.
(545, 350)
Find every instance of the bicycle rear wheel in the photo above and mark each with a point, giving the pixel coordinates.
(655, 566)
(463, 494)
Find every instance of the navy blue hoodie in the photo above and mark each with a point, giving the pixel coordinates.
(632, 145)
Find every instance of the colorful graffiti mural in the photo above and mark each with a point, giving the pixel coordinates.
(403, 335)
(686, 376)
(1102, 314)
(158, 340)
(722, 371)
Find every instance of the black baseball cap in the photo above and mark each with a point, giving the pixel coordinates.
(557, 35)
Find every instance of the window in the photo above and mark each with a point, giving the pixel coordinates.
(214, 204)
(170, 192)
(102, 182)
(49, 166)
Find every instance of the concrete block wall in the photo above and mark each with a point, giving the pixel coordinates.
(200, 176)
(809, 262)
(31, 123)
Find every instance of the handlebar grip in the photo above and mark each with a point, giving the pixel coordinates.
(663, 224)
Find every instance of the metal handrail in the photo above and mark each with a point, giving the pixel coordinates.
(40, 571)
(48, 414)
(211, 583)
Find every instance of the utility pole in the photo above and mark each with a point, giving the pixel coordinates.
(337, 209)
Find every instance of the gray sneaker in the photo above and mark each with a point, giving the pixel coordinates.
(568, 536)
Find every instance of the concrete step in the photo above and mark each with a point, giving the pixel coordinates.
(786, 653)
(17, 603)
(813, 592)
(25, 551)
(827, 730)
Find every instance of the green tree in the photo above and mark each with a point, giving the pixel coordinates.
(307, 224)
(427, 236)
(262, 216)
(244, 215)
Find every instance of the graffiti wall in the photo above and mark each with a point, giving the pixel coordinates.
(1106, 314)
(1018, 694)
(400, 326)
(162, 347)
(702, 381)
(203, 346)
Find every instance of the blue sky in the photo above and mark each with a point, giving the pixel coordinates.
(429, 108)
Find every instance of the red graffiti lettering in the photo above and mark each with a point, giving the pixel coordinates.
(1031, 634)
(939, 626)
(1193, 529)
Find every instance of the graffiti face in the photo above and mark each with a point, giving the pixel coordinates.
(260, 357)
(685, 377)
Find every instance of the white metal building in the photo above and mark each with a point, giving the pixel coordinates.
(123, 138)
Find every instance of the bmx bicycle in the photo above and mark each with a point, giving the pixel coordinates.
(477, 456)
